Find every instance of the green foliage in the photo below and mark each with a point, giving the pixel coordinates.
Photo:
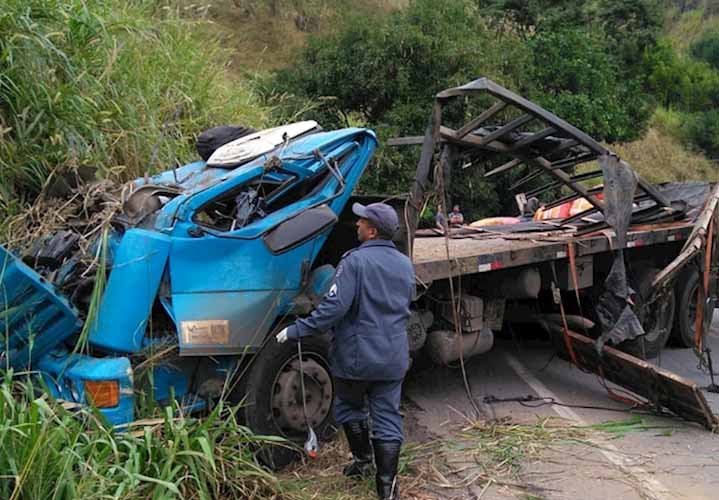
(527, 17)
(573, 75)
(119, 86)
(680, 81)
(384, 73)
(702, 130)
(632, 28)
(49, 452)
(389, 69)
(707, 48)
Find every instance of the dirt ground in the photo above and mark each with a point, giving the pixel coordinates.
(588, 446)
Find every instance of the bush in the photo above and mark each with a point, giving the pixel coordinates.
(679, 81)
(703, 131)
(707, 48)
(118, 86)
(573, 75)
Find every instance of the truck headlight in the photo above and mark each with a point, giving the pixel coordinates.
(103, 393)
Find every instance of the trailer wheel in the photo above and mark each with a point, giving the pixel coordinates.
(273, 397)
(656, 319)
(685, 290)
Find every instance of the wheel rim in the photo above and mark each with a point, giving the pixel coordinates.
(657, 320)
(287, 411)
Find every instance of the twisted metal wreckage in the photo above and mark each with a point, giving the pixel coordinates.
(538, 144)
(208, 260)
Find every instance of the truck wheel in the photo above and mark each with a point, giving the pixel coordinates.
(273, 396)
(657, 319)
(685, 290)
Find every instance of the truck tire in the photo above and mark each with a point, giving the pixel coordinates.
(685, 290)
(657, 320)
(272, 396)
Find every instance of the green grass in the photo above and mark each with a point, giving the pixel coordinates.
(48, 452)
(119, 86)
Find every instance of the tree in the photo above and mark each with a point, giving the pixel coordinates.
(632, 27)
(527, 17)
(573, 75)
(707, 48)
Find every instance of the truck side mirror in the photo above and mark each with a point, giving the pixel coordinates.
(299, 229)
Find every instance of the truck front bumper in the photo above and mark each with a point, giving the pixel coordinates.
(69, 375)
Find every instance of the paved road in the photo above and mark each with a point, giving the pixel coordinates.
(679, 460)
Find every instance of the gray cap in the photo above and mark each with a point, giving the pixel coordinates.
(381, 216)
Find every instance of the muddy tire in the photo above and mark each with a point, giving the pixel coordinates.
(685, 290)
(657, 319)
(272, 396)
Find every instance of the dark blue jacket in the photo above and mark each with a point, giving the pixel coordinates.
(366, 311)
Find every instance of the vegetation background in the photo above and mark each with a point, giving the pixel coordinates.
(115, 89)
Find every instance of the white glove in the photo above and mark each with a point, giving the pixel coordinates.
(282, 336)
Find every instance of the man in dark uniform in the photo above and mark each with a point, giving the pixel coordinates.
(366, 311)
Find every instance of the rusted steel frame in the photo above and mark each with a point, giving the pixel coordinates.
(488, 86)
(519, 145)
(571, 197)
(659, 386)
(423, 176)
(695, 242)
(504, 130)
(563, 177)
(536, 173)
(529, 140)
(703, 288)
(573, 161)
(476, 122)
(472, 141)
(637, 198)
(506, 166)
(575, 178)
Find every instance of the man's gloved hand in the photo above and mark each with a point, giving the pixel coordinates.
(282, 336)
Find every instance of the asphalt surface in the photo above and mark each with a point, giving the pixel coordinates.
(673, 459)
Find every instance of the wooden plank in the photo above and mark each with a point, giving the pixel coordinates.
(662, 388)
(472, 256)
(513, 125)
(567, 180)
(506, 166)
(476, 122)
(528, 141)
(472, 141)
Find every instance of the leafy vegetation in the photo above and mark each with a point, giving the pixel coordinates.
(47, 451)
(120, 87)
(588, 62)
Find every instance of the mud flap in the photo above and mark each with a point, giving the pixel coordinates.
(658, 386)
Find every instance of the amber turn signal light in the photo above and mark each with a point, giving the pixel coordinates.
(103, 393)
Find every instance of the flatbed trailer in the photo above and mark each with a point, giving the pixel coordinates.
(635, 263)
(435, 259)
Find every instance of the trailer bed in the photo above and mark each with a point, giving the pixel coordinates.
(470, 254)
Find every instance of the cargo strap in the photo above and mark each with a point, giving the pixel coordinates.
(703, 290)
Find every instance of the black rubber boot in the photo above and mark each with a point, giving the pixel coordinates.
(386, 457)
(358, 438)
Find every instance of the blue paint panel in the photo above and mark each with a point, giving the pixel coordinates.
(250, 314)
(131, 290)
(65, 375)
(33, 317)
(168, 379)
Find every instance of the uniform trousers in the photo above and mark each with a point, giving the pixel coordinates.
(355, 400)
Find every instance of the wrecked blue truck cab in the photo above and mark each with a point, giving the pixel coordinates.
(208, 258)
